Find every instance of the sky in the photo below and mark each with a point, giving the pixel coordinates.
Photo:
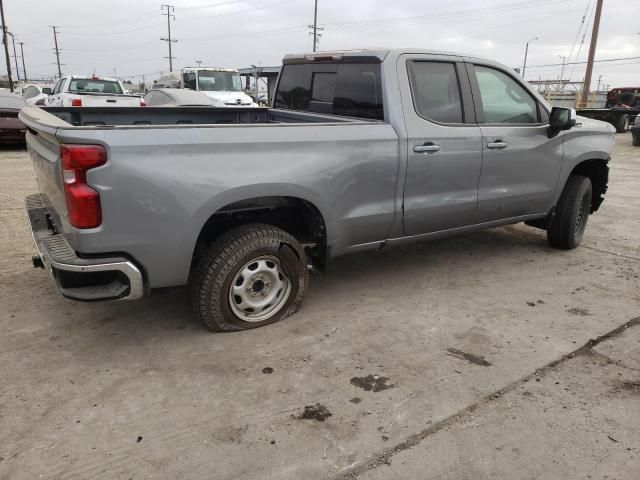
(122, 37)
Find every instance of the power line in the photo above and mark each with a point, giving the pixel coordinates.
(447, 15)
(583, 63)
(15, 56)
(169, 41)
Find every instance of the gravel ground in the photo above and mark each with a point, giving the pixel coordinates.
(449, 359)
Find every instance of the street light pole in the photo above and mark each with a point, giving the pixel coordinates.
(526, 53)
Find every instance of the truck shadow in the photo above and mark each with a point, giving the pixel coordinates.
(453, 260)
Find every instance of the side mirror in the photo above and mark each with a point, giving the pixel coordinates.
(561, 119)
(46, 91)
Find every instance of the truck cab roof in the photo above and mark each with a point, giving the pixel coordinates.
(373, 53)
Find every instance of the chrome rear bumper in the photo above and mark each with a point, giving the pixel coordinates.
(82, 279)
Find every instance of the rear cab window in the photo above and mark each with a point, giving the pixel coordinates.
(90, 85)
(345, 89)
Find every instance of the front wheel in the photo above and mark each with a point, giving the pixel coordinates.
(572, 212)
(251, 276)
(623, 123)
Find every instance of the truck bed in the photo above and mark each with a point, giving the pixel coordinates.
(119, 116)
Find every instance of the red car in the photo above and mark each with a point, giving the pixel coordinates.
(11, 129)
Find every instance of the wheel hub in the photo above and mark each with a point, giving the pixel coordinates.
(259, 289)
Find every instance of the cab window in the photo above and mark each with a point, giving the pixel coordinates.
(503, 99)
(436, 91)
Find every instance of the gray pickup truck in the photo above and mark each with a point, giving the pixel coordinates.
(362, 150)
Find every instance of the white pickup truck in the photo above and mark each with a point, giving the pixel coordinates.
(93, 91)
(222, 85)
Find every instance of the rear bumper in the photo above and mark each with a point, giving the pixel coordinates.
(81, 279)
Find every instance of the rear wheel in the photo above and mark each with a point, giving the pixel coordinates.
(572, 213)
(251, 276)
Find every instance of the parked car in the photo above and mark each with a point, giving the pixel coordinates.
(35, 94)
(12, 130)
(635, 132)
(93, 91)
(176, 97)
(222, 85)
(362, 150)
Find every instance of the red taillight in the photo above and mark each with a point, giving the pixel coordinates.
(143, 103)
(83, 202)
(76, 102)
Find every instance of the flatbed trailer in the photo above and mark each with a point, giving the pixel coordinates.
(620, 117)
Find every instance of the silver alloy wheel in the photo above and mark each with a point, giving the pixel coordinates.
(259, 290)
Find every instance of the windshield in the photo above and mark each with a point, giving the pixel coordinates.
(82, 85)
(219, 81)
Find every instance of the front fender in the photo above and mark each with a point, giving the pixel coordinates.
(594, 140)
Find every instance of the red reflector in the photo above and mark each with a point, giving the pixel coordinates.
(76, 102)
(83, 202)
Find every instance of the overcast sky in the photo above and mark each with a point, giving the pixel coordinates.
(125, 34)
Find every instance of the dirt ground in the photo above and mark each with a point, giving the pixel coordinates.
(482, 356)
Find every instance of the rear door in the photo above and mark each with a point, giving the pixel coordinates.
(444, 144)
(521, 164)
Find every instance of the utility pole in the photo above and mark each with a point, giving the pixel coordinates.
(169, 15)
(564, 59)
(57, 50)
(15, 56)
(6, 46)
(315, 28)
(592, 53)
(24, 70)
(199, 62)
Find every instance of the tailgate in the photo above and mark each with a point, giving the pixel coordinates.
(44, 150)
(93, 100)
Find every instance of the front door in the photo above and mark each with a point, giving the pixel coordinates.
(444, 144)
(521, 164)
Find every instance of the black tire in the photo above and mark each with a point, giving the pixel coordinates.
(635, 139)
(572, 213)
(623, 123)
(211, 280)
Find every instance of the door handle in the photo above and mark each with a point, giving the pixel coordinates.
(427, 148)
(499, 144)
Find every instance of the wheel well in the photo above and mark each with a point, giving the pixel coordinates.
(598, 173)
(295, 216)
